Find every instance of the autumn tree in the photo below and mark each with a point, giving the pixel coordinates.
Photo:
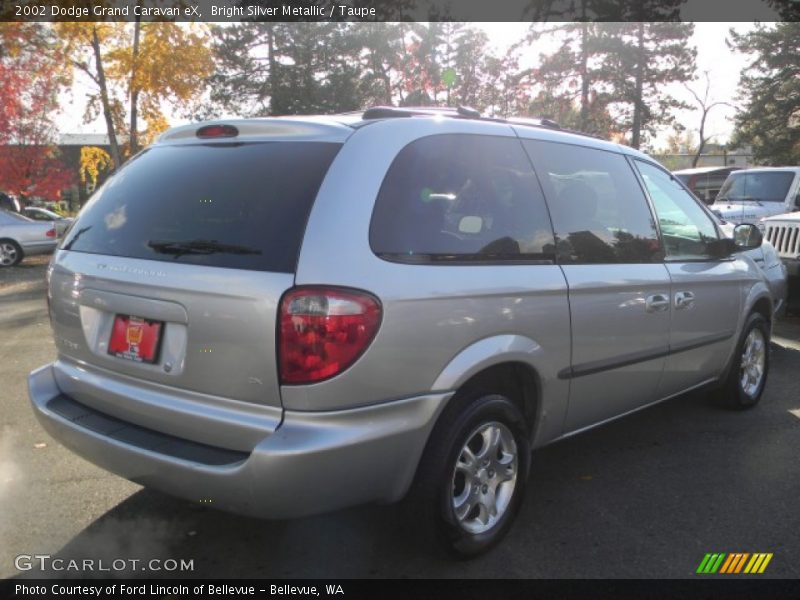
(94, 161)
(142, 66)
(770, 93)
(31, 76)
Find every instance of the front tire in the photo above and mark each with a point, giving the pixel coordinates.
(747, 377)
(472, 476)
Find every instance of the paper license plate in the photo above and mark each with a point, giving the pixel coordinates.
(135, 339)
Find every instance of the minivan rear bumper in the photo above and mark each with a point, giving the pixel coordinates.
(313, 462)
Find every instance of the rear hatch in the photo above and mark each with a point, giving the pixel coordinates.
(172, 275)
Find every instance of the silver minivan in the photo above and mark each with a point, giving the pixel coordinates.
(285, 316)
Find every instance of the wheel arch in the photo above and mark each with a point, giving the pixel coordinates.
(503, 364)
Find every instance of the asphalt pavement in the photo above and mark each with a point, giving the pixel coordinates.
(645, 496)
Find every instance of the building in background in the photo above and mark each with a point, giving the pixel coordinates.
(714, 155)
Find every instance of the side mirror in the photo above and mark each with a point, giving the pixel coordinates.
(747, 236)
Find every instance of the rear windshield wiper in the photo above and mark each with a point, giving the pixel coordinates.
(198, 247)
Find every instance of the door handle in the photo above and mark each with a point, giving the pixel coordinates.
(656, 303)
(684, 300)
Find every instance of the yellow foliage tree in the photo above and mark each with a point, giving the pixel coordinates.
(93, 161)
(145, 66)
(166, 63)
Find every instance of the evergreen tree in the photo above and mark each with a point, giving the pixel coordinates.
(573, 75)
(639, 60)
(770, 93)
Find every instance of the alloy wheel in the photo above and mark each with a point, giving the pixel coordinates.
(484, 477)
(753, 362)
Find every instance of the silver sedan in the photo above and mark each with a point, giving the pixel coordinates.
(42, 214)
(21, 236)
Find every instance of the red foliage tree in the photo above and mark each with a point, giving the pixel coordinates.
(31, 74)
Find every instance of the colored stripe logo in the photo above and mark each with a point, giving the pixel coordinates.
(734, 563)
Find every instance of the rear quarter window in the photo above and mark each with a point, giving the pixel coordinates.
(237, 205)
(461, 198)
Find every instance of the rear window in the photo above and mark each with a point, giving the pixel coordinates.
(239, 206)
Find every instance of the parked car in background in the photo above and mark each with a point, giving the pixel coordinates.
(417, 299)
(783, 231)
(750, 195)
(771, 264)
(42, 214)
(705, 182)
(21, 237)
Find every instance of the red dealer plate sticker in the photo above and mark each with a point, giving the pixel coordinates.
(135, 339)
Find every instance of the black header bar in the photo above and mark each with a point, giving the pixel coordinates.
(233, 11)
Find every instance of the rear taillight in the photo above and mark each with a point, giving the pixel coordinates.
(323, 331)
(51, 233)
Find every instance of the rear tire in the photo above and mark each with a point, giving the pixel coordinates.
(10, 253)
(747, 376)
(471, 479)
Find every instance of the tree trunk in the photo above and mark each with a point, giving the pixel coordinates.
(101, 78)
(273, 76)
(702, 143)
(636, 135)
(584, 75)
(134, 89)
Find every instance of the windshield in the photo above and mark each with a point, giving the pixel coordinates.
(756, 186)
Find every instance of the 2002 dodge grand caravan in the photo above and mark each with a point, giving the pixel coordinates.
(293, 315)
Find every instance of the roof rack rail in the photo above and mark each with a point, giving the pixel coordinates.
(462, 112)
(390, 112)
(533, 122)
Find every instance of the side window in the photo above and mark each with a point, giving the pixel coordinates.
(685, 226)
(797, 198)
(457, 197)
(599, 211)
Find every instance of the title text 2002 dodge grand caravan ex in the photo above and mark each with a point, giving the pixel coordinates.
(294, 315)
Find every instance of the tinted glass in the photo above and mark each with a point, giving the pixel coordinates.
(707, 187)
(685, 227)
(37, 216)
(599, 211)
(757, 186)
(240, 206)
(461, 198)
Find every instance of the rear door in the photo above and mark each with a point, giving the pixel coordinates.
(173, 272)
(608, 247)
(705, 291)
